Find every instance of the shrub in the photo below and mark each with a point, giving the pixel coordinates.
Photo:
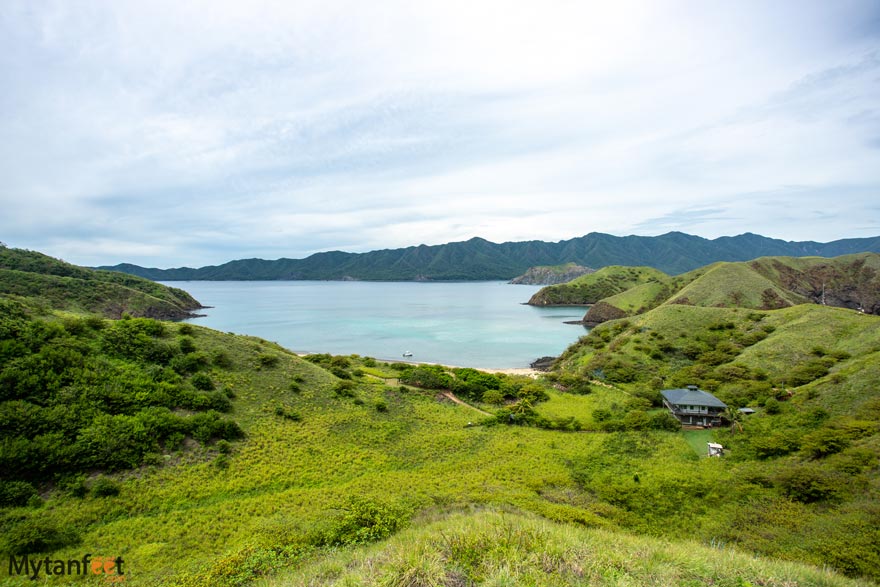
(493, 396)
(105, 487)
(221, 359)
(636, 420)
(381, 406)
(288, 413)
(809, 484)
(807, 372)
(427, 377)
(340, 372)
(185, 329)
(35, 535)
(364, 521)
(341, 362)
(189, 363)
(664, 421)
(187, 345)
(824, 442)
(344, 389)
(224, 447)
(267, 360)
(202, 382)
(15, 493)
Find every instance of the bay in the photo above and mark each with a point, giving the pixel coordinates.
(468, 324)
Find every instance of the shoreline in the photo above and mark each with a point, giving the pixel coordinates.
(525, 371)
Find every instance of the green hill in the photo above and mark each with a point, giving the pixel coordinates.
(61, 285)
(479, 259)
(205, 458)
(849, 281)
(509, 548)
(589, 289)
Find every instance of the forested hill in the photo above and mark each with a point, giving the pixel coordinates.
(56, 284)
(476, 259)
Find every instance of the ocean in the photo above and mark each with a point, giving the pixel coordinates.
(467, 324)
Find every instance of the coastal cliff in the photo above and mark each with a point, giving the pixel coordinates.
(551, 274)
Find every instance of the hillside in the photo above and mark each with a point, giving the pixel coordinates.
(588, 289)
(848, 281)
(62, 285)
(551, 274)
(479, 259)
(211, 459)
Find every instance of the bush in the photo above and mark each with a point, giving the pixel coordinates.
(664, 421)
(381, 406)
(810, 484)
(340, 372)
(15, 493)
(189, 363)
(288, 413)
(221, 359)
(344, 389)
(807, 372)
(493, 396)
(187, 345)
(427, 377)
(105, 487)
(365, 521)
(186, 329)
(824, 442)
(267, 360)
(202, 382)
(35, 535)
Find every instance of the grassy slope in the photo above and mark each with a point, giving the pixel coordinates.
(188, 521)
(185, 521)
(588, 289)
(62, 285)
(731, 285)
(497, 548)
(765, 283)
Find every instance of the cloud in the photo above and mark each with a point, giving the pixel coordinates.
(186, 134)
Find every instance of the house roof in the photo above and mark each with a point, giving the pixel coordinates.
(692, 397)
(747, 410)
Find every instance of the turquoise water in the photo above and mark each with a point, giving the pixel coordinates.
(470, 324)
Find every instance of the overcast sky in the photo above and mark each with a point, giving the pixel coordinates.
(192, 133)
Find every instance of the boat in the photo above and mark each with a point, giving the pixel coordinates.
(407, 353)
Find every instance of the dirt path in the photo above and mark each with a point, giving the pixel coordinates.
(608, 385)
(451, 396)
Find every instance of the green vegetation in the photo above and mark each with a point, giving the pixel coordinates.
(478, 258)
(591, 288)
(206, 458)
(769, 283)
(60, 285)
(509, 548)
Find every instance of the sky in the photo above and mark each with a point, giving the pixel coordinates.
(170, 133)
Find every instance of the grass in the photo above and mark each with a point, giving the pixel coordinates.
(588, 289)
(488, 547)
(61, 285)
(697, 440)
(507, 505)
(732, 285)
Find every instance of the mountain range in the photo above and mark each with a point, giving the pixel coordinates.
(479, 259)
